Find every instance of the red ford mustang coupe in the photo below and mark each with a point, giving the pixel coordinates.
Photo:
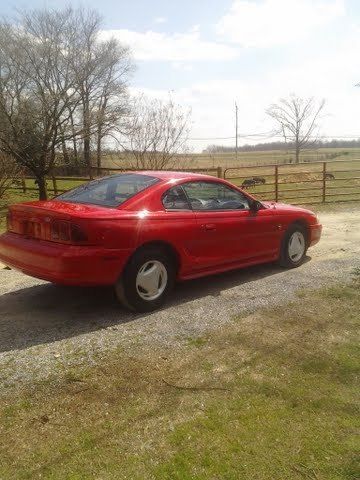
(143, 231)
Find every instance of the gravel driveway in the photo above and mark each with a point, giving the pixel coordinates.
(44, 328)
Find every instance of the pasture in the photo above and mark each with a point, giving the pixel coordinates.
(297, 184)
(303, 183)
(253, 158)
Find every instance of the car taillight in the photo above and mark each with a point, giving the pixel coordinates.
(60, 231)
(77, 234)
(67, 232)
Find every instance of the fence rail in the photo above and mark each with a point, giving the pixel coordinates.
(328, 181)
(316, 182)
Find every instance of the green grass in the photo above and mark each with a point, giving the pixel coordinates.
(13, 196)
(273, 396)
(196, 341)
(61, 185)
(18, 196)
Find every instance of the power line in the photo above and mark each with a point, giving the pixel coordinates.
(260, 135)
(263, 136)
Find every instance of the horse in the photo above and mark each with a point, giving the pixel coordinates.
(259, 180)
(247, 183)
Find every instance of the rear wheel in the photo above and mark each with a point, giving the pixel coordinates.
(294, 246)
(147, 280)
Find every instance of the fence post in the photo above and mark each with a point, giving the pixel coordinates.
(276, 183)
(23, 183)
(54, 185)
(324, 183)
(219, 172)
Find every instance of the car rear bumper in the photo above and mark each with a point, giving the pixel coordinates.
(315, 234)
(63, 264)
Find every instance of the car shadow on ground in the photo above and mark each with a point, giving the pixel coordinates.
(47, 313)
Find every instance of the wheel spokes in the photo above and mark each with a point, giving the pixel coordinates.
(148, 279)
(296, 246)
(151, 280)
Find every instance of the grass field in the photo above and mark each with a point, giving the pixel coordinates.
(305, 179)
(272, 396)
(303, 183)
(256, 158)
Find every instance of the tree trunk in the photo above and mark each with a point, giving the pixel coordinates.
(98, 151)
(100, 123)
(297, 155)
(65, 150)
(87, 155)
(42, 187)
(74, 139)
(86, 120)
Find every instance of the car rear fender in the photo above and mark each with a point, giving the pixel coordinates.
(163, 246)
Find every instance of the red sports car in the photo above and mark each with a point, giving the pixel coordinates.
(143, 231)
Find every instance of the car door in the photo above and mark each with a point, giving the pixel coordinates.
(228, 230)
(181, 227)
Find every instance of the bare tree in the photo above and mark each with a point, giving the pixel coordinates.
(37, 89)
(296, 118)
(103, 69)
(112, 105)
(59, 86)
(158, 132)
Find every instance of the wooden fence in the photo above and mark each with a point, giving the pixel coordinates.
(23, 186)
(316, 182)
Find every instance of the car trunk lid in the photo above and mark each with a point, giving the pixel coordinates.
(55, 221)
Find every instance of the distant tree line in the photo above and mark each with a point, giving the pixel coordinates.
(285, 146)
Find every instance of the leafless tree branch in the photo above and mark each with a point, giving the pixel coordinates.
(297, 120)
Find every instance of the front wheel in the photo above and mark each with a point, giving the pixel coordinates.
(146, 281)
(293, 248)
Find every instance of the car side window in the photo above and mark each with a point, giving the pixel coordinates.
(214, 196)
(175, 199)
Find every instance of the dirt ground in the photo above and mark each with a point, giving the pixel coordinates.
(45, 329)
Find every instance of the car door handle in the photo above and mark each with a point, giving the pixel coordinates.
(209, 226)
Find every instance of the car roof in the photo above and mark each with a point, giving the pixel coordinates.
(169, 175)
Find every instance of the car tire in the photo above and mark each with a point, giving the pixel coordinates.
(147, 280)
(293, 247)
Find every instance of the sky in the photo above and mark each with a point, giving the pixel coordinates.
(209, 54)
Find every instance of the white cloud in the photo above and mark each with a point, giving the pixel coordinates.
(160, 19)
(276, 22)
(332, 76)
(176, 47)
(182, 66)
(324, 69)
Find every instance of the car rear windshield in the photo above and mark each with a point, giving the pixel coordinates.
(109, 191)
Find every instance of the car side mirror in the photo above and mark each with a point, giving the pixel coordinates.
(255, 206)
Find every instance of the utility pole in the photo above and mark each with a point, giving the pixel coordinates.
(236, 131)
